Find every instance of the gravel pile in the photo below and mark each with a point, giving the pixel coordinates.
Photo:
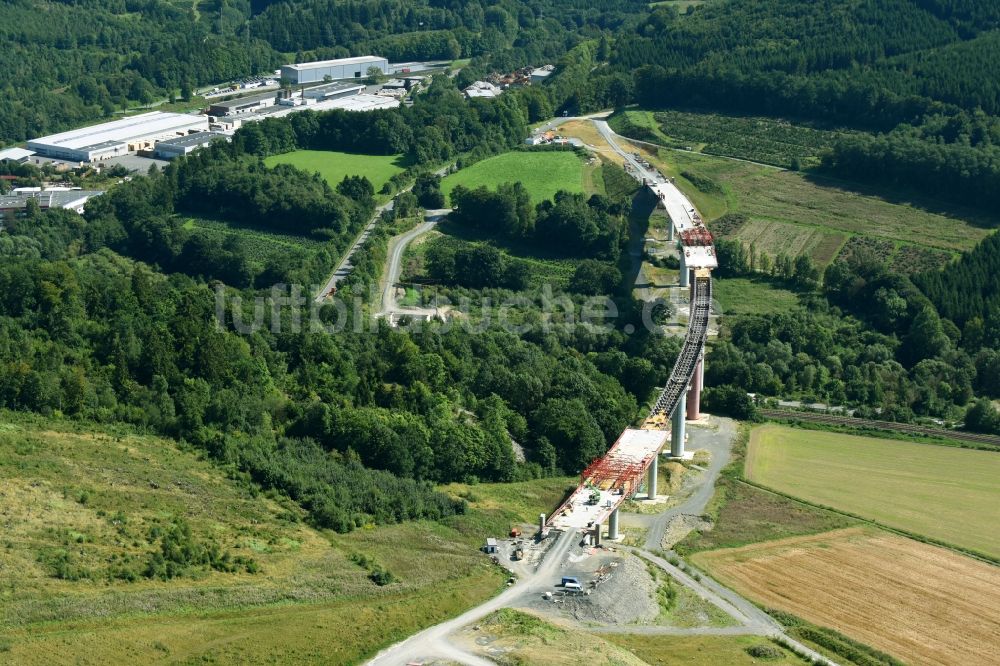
(626, 596)
(680, 526)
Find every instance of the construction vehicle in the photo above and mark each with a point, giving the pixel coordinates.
(518, 553)
(595, 497)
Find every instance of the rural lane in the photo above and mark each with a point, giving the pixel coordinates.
(344, 266)
(393, 269)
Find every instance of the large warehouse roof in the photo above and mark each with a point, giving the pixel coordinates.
(145, 124)
(333, 63)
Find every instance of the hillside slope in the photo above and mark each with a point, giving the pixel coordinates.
(85, 576)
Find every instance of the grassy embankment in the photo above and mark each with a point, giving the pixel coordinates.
(82, 508)
(798, 213)
(515, 637)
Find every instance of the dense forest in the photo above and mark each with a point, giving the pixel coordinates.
(113, 317)
(917, 72)
(68, 63)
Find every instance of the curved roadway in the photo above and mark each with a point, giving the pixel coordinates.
(394, 264)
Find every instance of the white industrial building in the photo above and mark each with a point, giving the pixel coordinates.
(332, 91)
(183, 145)
(16, 203)
(19, 155)
(99, 142)
(541, 74)
(240, 105)
(342, 68)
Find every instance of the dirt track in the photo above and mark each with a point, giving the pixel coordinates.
(920, 603)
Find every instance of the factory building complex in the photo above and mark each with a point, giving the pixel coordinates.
(321, 86)
(16, 203)
(119, 137)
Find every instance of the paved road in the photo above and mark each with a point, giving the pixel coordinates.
(397, 247)
(433, 642)
(652, 175)
(345, 266)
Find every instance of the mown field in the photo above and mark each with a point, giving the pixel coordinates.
(542, 173)
(333, 166)
(946, 493)
(81, 507)
(920, 603)
(737, 296)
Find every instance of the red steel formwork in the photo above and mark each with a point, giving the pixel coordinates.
(697, 237)
(615, 472)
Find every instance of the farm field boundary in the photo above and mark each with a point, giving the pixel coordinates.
(856, 475)
(879, 588)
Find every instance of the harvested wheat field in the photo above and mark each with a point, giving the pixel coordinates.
(920, 603)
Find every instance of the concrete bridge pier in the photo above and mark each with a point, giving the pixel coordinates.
(684, 270)
(613, 525)
(694, 398)
(677, 434)
(651, 477)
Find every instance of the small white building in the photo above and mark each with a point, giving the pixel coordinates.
(482, 89)
(541, 74)
(19, 155)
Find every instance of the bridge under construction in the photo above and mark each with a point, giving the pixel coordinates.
(618, 475)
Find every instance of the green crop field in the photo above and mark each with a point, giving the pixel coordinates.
(543, 173)
(738, 296)
(333, 166)
(80, 506)
(945, 493)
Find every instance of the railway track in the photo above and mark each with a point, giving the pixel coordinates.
(907, 428)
